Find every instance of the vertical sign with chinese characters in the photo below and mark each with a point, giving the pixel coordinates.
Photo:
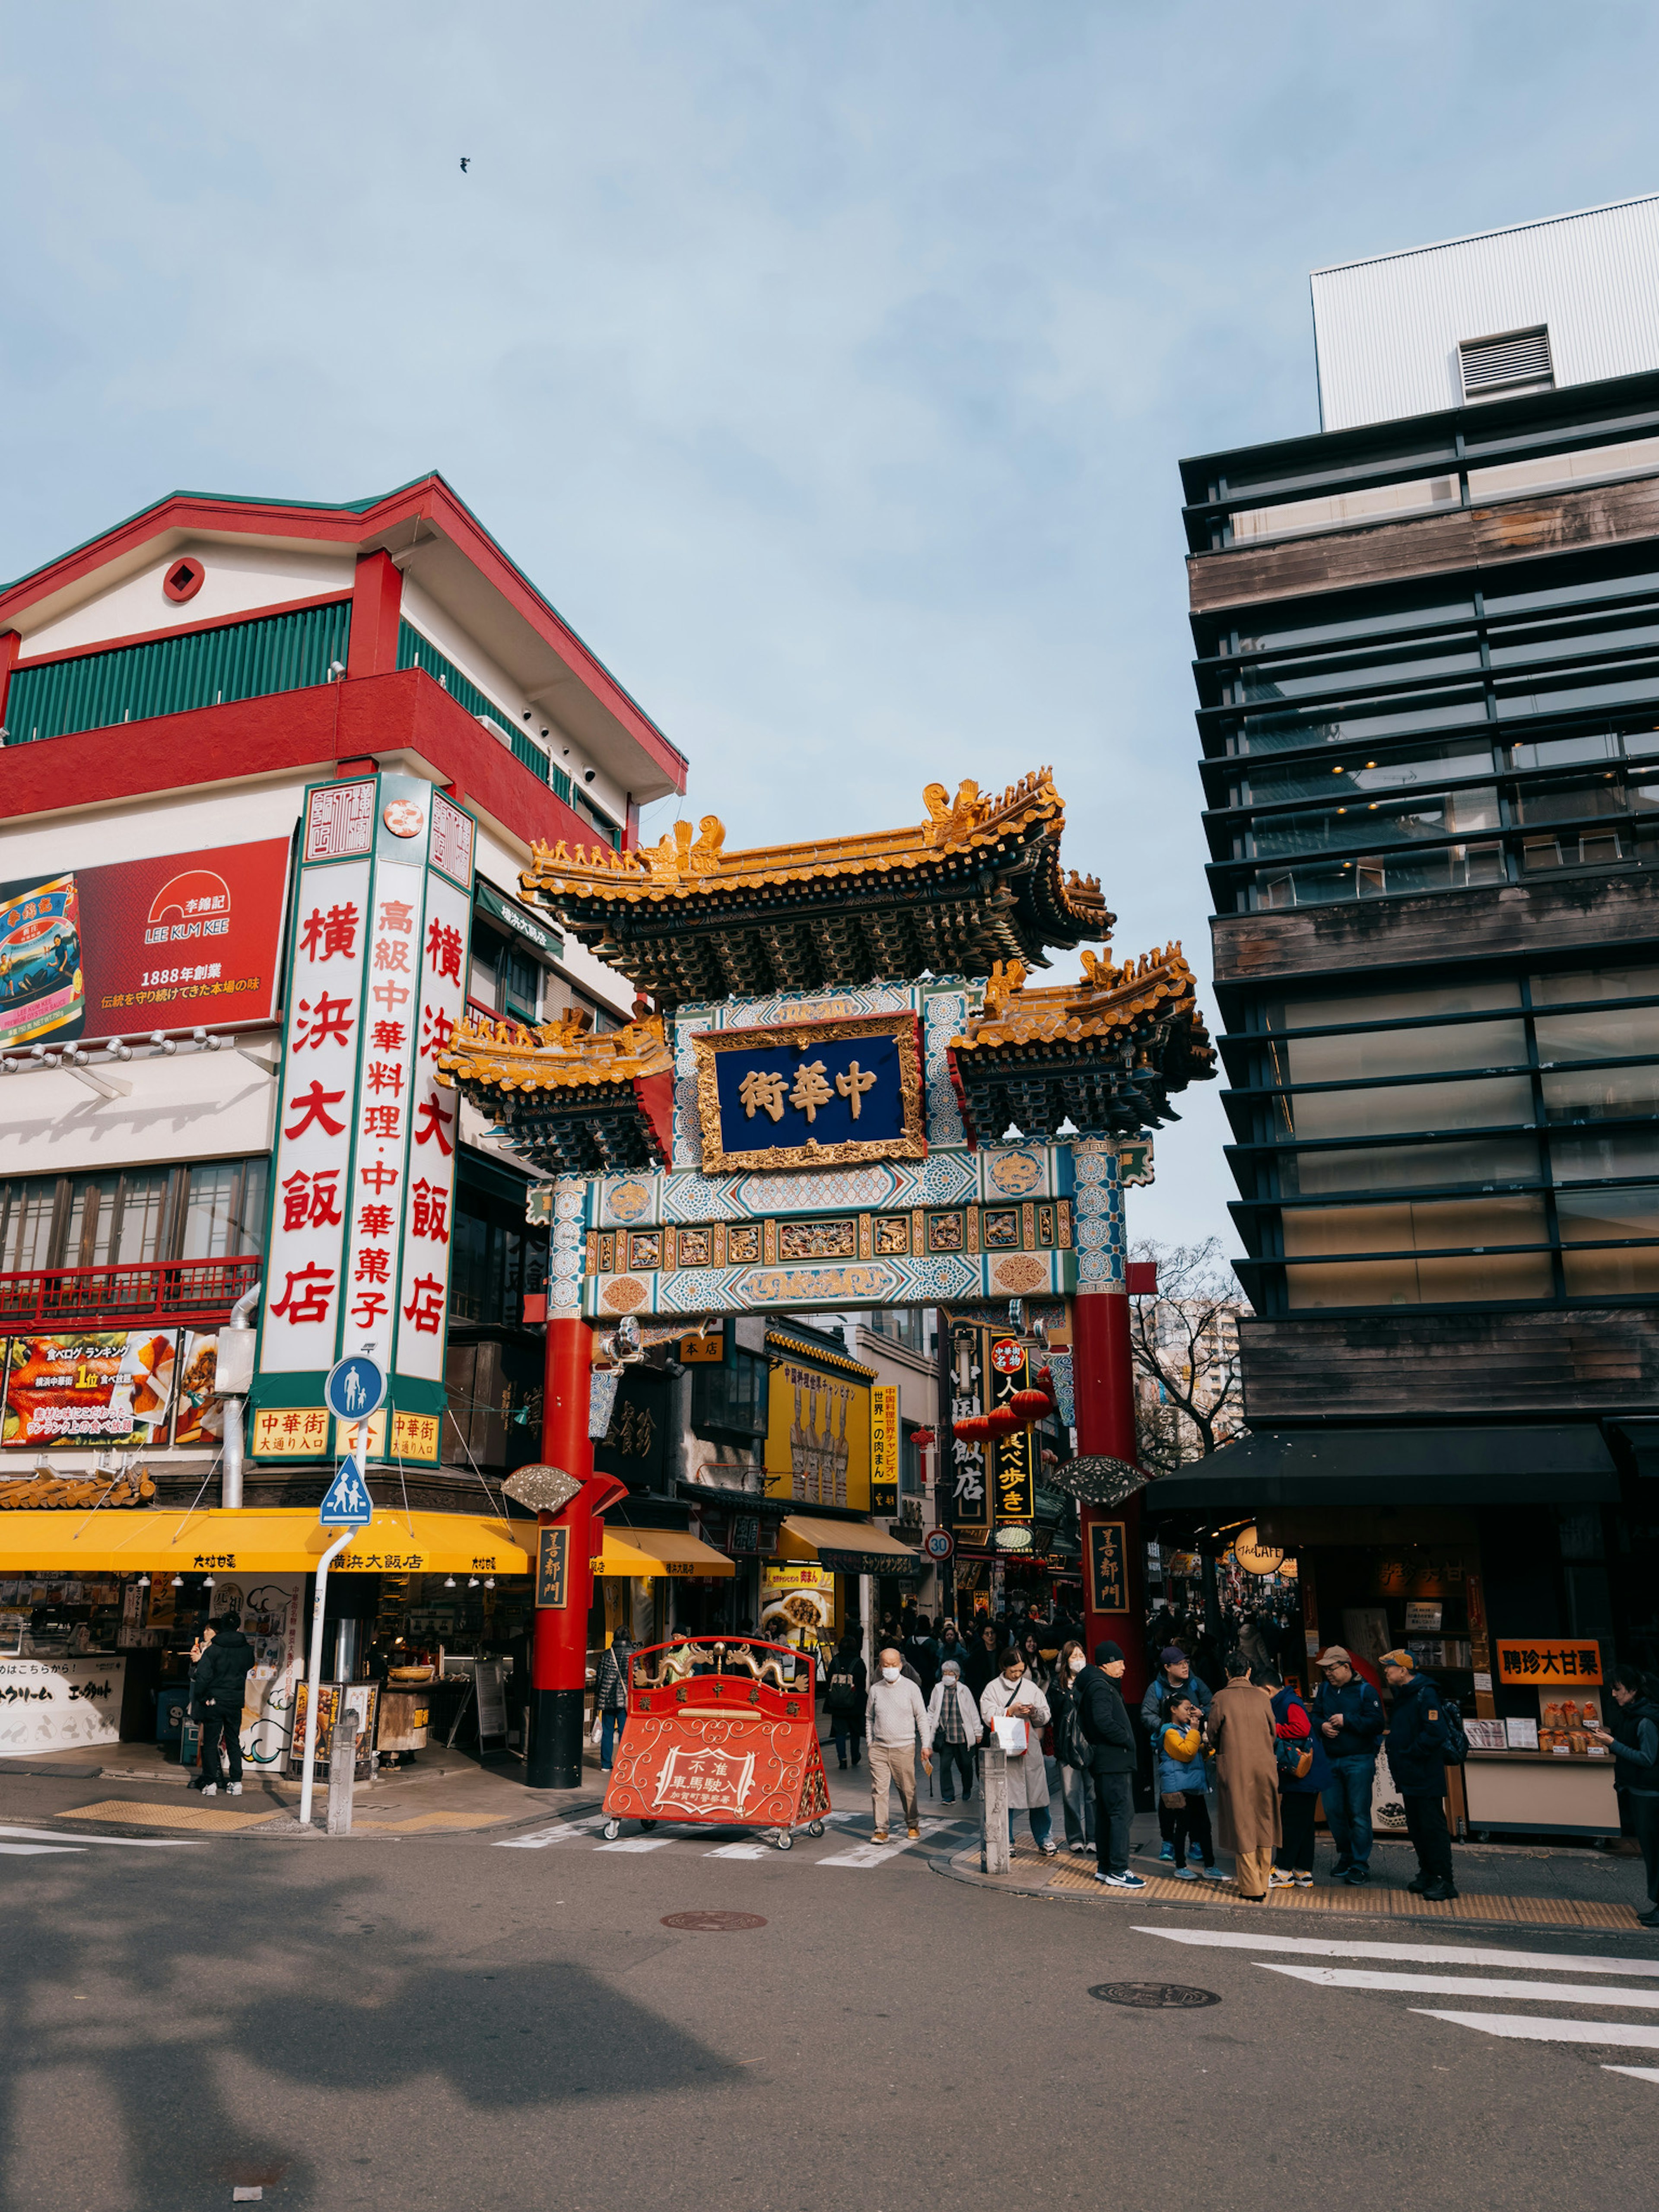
(973, 1513)
(1108, 1586)
(379, 1178)
(439, 990)
(364, 1160)
(322, 1012)
(1014, 1456)
(885, 1448)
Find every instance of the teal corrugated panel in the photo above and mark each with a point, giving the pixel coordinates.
(172, 675)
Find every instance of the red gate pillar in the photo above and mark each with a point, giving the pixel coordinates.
(1103, 1377)
(558, 1659)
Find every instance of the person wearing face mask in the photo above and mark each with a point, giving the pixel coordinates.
(894, 1721)
(1076, 1790)
(1013, 1693)
(1113, 1754)
(953, 1729)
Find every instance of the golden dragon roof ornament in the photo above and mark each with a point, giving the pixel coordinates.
(1105, 998)
(564, 1054)
(694, 863)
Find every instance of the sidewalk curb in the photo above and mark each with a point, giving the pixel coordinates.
(957, 1867)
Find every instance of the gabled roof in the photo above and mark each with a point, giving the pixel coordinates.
(424, 520)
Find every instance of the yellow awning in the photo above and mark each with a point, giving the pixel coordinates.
(845, 1547)
(661, 1552)
(282, 1541)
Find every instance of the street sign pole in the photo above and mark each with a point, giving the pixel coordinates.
(314, 1698)
(355, 1390)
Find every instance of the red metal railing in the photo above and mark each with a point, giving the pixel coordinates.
(55, 1299)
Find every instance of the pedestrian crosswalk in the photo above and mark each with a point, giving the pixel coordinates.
(850, 1839)
(42, 1843)
(1515, 1987)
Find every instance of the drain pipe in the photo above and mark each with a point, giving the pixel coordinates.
(234, 1375)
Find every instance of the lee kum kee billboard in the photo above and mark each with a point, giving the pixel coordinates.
(184, 941)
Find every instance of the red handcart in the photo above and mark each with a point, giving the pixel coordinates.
(721, 1732)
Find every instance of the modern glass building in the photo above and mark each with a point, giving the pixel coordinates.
(1426, 651)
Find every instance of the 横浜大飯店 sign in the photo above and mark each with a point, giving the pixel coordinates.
(811, 1094)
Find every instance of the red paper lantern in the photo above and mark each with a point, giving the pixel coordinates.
(1002, 1421)
(974, 1429)
(1032, 1405)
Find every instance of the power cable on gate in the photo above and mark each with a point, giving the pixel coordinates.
(197, 1500)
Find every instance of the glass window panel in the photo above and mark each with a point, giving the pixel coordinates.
(1281, 733)
(1326, 1009)
(1380, 875)
(1593, 579)
(1408, 1167)
(1417, 1225)
(255, 1176)
(1405, 613)
(143, 1200)
(28, 1225)
(1291, 679)
(1600, 1094)
(1586, 1216)
(211, 1211)
(1567, 802)
(1611, 1273)
(1590, 848)
(1555, 643)
(1631, 456)
(1321, 779)
(1568, 696)
(1571, 984)
(1607, 1152)
(1623, 1031)
(1421, 1107)
(88, 1232)
(1405, 1052)
(1639, 743)
(1479, 1278)
(1344, 509)
(1373, 823)
(1561, 752)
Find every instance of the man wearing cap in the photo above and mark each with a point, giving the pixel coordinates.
(1418, 1743)
(1348, 1715)
(1175, 1677)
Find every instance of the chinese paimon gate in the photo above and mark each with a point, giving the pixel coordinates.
(846, 1093)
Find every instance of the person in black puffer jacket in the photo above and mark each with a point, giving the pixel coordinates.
(1418, 1744)
(218, 1685)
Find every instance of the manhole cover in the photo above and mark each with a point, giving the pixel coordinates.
(1154, 1996)
(713, 1923)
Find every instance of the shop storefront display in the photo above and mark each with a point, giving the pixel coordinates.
(60, 1705)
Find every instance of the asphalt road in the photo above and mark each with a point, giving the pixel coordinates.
(503, 2020)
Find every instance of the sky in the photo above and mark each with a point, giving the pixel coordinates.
(827, 367)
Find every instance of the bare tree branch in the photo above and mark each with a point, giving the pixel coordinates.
(1184, 1343)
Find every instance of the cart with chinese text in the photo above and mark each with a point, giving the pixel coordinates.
(721, 1734)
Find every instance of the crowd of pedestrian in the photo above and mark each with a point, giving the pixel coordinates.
(1245, 1742)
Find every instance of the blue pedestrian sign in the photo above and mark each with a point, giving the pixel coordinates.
(354, 1388)
(347, 1503)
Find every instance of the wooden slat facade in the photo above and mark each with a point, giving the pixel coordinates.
(1471, 538)
(1603, 915)
(1459, 1366)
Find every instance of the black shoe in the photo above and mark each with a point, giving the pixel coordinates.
(1356, 1875)
(1649, 1919)
(1437, 1893)
(841, 1766)
(1419, 1886)
(1341, 1870)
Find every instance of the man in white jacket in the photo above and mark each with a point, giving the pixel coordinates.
(895, 1719)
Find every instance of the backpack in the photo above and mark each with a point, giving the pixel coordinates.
(1453, 1730)
(843, 1684)
(1295, 1761)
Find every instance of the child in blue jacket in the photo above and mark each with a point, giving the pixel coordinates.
(1183, 1782)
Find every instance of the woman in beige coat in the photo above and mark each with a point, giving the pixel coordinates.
(1012, 1692)
(1240, 1726)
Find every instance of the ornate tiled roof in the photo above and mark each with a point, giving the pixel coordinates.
(978, 881)
(1105, 1053)
(575, 1101)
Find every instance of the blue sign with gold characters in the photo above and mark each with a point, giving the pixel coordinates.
(811, 1094)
